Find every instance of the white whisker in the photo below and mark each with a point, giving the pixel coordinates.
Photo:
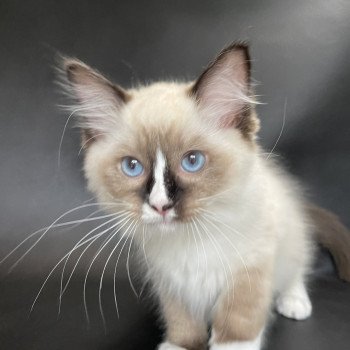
(282, 128)
(143, 245)
(114, 277)
(104, 269)
(204, 251)
(55, 267)
(92, 262)
(209, 215)
(192, 224)
(233, 246)
(63, 289)
(62, 136)
(216, 195)
(44, 233)
(217, 245)
(88, 140)
(127, 263)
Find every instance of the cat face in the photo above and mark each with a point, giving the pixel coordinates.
(165, 152)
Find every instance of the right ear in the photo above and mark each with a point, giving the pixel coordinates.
(97, 100)
(223, 91)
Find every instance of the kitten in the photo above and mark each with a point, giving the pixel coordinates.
(225, 232)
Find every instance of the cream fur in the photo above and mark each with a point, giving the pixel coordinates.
(267, 231)
(259, 215)
(250, 212)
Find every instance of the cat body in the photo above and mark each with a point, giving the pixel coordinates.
(257, 240)
(222, 231)
(233, 240)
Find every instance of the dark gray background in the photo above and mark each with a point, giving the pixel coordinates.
(300, 52)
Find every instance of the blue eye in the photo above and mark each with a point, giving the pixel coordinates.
(131, 167)
(193, 161)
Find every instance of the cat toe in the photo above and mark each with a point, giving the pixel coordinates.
(169, 346)
(294, 307)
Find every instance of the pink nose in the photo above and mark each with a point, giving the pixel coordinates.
(162, 209)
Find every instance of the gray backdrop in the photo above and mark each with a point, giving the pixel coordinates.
(300, 52)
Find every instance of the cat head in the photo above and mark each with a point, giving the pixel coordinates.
(166, 151)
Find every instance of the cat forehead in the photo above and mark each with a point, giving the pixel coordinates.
(164, 115)
(161, 103)
(164, 89)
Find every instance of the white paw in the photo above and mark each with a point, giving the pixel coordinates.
(297, 307)
(169, 346)
(236, 345)
(244, 345)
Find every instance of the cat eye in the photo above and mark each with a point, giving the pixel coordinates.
(193, 161)
(131, 167)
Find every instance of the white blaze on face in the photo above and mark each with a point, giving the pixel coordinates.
(152, 212)
(158, 196)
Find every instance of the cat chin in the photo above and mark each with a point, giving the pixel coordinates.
(161, 227)
(166, 226)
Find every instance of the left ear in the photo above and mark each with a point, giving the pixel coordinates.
(97, 101)
(223, 91)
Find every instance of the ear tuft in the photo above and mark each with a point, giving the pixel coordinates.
(223, 90)
(97, 101)
(238, 52)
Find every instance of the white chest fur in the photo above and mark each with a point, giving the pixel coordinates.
(195, 269)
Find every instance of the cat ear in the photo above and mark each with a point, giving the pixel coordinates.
(223, 91)
(97, 100)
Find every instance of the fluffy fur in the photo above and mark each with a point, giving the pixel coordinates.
(222, 244)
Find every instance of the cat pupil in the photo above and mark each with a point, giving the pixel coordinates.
(192, 158)
(132, 163)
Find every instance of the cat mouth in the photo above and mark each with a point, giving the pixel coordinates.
(150, 216)
(162, 220)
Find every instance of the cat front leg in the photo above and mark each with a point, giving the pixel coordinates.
(241, 314)
(294, 302)
(183, 332)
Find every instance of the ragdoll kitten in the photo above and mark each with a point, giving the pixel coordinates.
(225, 232)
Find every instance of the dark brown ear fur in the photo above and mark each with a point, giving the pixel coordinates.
(233, 47)
(234, 60)
(79, 74)
(94, 97)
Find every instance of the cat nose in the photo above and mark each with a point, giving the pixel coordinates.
(162, 209)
